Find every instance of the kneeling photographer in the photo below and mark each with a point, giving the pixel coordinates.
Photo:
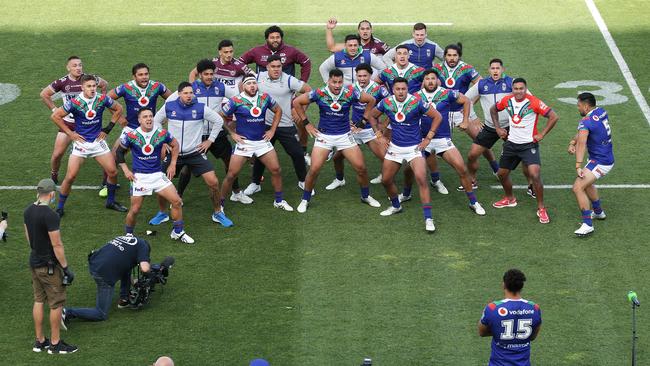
(112, 262)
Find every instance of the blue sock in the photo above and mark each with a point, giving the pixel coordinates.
(435, 177)
(111, 192)
(339, 176)
(407, 191)
(306, 195)
(128, 229)
(586, 217)
(222, 202)
(395, 201)
(62, 198)
(495, 166)
(596, 205)
(472, 197)
(178, 226)
(426, 209)
(278, 197)
(365, 191)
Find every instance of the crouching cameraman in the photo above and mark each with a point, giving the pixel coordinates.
(112, 262)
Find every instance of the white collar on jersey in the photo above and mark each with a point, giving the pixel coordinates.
(370, 85)
(252, 100)
(403, 71)
(88, 101)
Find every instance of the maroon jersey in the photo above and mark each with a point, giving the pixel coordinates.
(376, 46)
(230, 74)
(290, 56)
(69, 89)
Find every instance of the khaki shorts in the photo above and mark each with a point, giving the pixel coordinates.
(48, 287)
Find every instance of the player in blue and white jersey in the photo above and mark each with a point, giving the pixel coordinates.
(422, 50)
(512, 323)
(89, 138)
(252, 137)
(346, 60)
(334, 102)
(147, 177)
(404, 111)
(595, 137)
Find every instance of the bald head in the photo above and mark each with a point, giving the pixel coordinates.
(164, 361)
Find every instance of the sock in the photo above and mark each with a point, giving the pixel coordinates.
(426, 209)
(62, 198)
(435, 177)
(306, 195)
(472, 197)
(111, 192)
(278, 197)
(596, 205)
(104, 179)
(128, 229)
(365, 192)
(407, 191)
(222, 202)
(495, 166)
(339, 176)
(395, 201)
(586, 217)
(178, 226)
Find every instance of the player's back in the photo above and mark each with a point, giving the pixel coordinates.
(599, 142)
(512, 324)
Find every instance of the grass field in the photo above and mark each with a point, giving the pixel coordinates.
(340, 282)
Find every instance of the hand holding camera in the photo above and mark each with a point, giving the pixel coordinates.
(68, 276)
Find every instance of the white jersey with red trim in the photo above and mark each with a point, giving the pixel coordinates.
(523, 116)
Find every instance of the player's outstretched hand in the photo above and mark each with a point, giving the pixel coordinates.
(331, 23)
(312, 131)
(204, 146)
(237, 138)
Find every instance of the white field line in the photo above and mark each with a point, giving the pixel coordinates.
(631, 82)
(320, 24)
(599, 186)
(33, 188)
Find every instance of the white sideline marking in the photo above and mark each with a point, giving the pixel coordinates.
(631, 82)
(8, 93)
(30, 188)
(321, 24)
(568, 186)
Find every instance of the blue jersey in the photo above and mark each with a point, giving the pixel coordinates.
(146, 148)
(212, 96)
(599, 142)
(137, 98)
(118, 257)
(87, 114)
(412, 73)
(376, 91)
(334, 109)
(404, 119)
(511, 322)
(250, 114)
(443, 100)
(459, 78)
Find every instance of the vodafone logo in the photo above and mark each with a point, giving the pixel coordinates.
(147, 149)
(90, 114)
(502, 311)
(143, 101)
(256, 111)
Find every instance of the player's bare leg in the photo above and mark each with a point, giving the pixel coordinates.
(504, 177)
(389, 169)
(585, 193)
(134, 210)
(271, 162)
(355, 157)
(74, 164)
(234, 167)
(420, 172)
(455, 159)
(318, 158)
(472, 160)
(61, 143)
(534, 175)
(218, 214)
(107, 162)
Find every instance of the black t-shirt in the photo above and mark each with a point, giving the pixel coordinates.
(40, 220)
(118, 257)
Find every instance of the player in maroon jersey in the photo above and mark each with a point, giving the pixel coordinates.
(368, 40)
(227, 70)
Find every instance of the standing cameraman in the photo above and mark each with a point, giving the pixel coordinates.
(111, 263)
(49, 267)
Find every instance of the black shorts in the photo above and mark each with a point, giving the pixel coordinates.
(197, 163)
(514, 153)
(487, 137)
(221, 147)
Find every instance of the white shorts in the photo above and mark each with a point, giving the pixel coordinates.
(90, 149)
(456, 118)
(364, 136)
(439, 145)
(145, 184)
(599, 170)
(253, 148)
(400, 154)
(340, 142)
(125, 131)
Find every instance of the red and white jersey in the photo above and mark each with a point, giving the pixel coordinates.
(230, 74)
(523, 115)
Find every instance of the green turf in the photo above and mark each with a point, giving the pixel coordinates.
(338, 283)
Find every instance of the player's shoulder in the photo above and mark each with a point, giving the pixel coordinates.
(598, 114)
(437, 66)
(466, 66)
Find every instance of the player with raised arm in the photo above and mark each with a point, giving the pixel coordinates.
(512, 323)
(522, 142)
(422, 50)
(364, 30)
(594, 137)
(228, 70)
(281, 87)
(89, 138)
(404, 111)
(348, 59)
(362, 132)
(334, 102)
(69, 86)
(146, 143)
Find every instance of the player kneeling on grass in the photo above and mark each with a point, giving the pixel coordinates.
(146, 143)
(252, 137)
(406, 144)
(594, 136)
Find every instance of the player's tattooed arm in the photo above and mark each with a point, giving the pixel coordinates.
(121, 162)
(572, 145)
(57, 117)
(46, 96)
(465, 102)
(494, 113)
(374, 115)
(552, 121)
(299, 106)
(580, 149)
(437, 120)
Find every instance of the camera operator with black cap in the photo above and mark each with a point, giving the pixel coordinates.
(112, 262)
(50, 273)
